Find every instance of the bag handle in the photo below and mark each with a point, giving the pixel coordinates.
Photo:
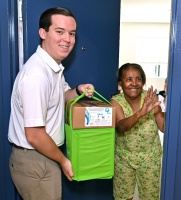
(80, 97)
(101, 97)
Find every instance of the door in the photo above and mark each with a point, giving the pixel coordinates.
(8, 70)
(96, 53)
(94, 60)
(171, 176)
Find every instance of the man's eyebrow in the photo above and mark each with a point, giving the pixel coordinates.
(59, 28)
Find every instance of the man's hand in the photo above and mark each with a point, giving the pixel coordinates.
(67, 169)
(89, 87)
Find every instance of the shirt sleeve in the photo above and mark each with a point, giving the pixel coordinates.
(35, 91)
(65, 84)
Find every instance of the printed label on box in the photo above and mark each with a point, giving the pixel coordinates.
(98, 116)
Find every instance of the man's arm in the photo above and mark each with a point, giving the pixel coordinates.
(44, 144)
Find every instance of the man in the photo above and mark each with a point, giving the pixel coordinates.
(36, 127)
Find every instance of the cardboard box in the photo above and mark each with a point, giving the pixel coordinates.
(91, 114)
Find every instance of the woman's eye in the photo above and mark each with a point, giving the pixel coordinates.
(129, 79)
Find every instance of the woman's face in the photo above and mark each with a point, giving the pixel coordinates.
(132, 83)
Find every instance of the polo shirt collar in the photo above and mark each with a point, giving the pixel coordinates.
(49, 60)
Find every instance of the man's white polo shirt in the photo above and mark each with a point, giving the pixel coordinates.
(38, 99)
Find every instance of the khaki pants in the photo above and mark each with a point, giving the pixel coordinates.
(35, 176)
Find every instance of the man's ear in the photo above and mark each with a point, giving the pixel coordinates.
(42, 33)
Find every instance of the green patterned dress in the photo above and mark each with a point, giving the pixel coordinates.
(137, 156)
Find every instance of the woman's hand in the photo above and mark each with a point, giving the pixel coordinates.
(150, 101)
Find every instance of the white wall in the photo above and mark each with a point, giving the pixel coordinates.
(145, 11)
(144, 37)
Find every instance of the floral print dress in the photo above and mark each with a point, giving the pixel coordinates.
(135, 148)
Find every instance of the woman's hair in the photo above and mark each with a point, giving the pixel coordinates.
(45, 19)
(135, 66)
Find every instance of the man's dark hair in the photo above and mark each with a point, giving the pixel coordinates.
(46, 17)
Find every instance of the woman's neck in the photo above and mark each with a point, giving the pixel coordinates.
(134, 103)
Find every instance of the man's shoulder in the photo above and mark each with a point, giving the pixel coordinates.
(34, 58)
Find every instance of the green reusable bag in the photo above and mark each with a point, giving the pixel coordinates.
(90, 150)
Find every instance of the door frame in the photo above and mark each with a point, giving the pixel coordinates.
(171, 175)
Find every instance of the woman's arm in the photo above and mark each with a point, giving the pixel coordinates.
(159, 117)
(124, 124)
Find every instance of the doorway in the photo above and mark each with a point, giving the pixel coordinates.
(144, 39)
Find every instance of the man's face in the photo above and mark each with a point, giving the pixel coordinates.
(59, 41)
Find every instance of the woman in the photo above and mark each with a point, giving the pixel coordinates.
(138, 149)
